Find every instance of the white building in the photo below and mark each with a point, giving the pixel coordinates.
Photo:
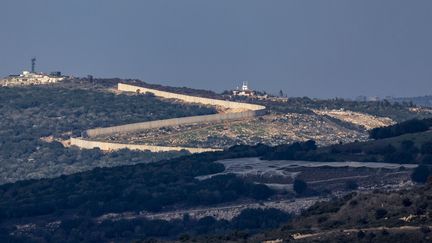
(244, 91)
(29, 78)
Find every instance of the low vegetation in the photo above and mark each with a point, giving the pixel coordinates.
(396, 111)
(150, 187)
(248, 221)
(379, 216)
(35, 119)
(410, 126)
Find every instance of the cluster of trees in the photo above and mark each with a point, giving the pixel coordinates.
(397, 151)
(290, 151)
(409, 150)
(421, 174)
(150, 187)
(300, 186)
(406, 151)
(365, 210)
(55, 110)
(83, 229)
(396, 111)
(410, 126)
(30, 113)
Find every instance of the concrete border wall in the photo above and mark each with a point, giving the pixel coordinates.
(252, 110)
(87, 144)
(190, 99)
(140, 126)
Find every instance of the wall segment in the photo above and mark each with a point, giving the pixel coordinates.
(140, 126)
(190, 99)
(107, 146)
(249, 110)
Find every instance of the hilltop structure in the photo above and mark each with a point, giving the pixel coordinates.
(32, 78)
(244, 91)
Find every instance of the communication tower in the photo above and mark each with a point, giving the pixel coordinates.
(33, 64)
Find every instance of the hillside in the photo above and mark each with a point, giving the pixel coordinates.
(286, 121)
(408, 142)
(151, 187)
(380, 216)
(36, 119)
(396, 111)
(77, 201)
(272, 129)
(78, 191)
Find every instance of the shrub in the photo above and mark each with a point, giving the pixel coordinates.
(351, 185)
(380, 213)
(353, 203)
(322, 219)
(299, 186)
(426, 148)
(410, 126)
(361, 234)
(420, 174)
(425, 229)
(406, 202)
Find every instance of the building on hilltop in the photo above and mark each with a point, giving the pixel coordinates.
(32, 78)
(244, 91)
(29, 78)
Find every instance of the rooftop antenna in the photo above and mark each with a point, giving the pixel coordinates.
(33, 64)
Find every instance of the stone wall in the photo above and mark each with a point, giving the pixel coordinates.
(191, 99)
(87, 144)
(247, 111)
(140, 126)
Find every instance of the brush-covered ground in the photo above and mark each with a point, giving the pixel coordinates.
(274, 129)
(380, 216)
(66, 208)
(34, 119)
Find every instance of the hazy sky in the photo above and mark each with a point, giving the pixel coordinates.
(321, 48)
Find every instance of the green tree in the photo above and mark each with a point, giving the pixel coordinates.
(299, 186)
(420, 174)
(351, 185)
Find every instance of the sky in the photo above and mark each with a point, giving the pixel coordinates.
(331, 48)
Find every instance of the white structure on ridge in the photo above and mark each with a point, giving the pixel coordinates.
(31, 78)
(244, 91)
